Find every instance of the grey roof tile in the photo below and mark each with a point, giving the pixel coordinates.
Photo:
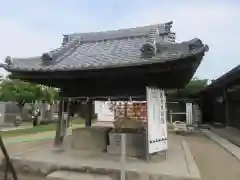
(108, 49)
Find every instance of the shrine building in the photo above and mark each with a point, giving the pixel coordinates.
(116, 63)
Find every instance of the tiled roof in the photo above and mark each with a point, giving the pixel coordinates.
(119, 48)
(221, 82)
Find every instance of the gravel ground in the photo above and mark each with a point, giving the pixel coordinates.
(24, 177)
(21, 147)
(213, 161)
(14, 148)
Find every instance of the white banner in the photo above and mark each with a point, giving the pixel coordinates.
(157, 120)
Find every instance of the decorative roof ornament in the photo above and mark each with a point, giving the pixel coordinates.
(168, 26)
(61, 52)
(66, 39)
(149, 49)
(195, 44)
(206, 48)
(46, 56)
(8, 60)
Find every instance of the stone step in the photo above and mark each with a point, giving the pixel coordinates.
(71, 175)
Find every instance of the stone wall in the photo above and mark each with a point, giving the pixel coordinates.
(9, 111)
(135, 144)
(92, 138)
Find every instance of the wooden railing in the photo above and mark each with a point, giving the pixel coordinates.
(9, 165)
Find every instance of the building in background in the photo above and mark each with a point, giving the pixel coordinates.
(220, 101)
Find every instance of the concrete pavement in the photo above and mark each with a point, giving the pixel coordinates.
(177, 165)
(229, 133)
(213, 161)
(231, 148)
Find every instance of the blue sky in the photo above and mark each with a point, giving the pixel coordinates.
(29, 28)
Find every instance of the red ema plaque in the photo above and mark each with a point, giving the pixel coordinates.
(131, 110)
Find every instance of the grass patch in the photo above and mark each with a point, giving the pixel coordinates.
(32, 130)
(37, 129)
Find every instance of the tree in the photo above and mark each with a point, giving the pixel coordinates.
(24, 92)
(192, 88)
(49, 94)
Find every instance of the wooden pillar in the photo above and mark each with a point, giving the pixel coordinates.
(226, 103)
(88, 120)
(58, 136)
(68, 112)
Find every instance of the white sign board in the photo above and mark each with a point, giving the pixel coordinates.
(157, 120)
(189, 114)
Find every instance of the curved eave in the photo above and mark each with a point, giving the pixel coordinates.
(174, 74)
(3, 66)
(154, 60)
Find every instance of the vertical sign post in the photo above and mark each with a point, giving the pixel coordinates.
(123, 155)
(157, 121)
(189, 114)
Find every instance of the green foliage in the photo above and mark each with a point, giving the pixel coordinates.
(49, 94)
(22, 92)
(193, 87)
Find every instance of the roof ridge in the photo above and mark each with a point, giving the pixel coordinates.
(106, 31)
(120, 33)
(60, 52)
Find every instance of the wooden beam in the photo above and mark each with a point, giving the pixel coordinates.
(107, 98)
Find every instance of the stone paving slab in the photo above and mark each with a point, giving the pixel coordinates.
(192, 167)
(229, 133)
(176, 167)
(213, 161)
(231, 148)
(69, 175)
